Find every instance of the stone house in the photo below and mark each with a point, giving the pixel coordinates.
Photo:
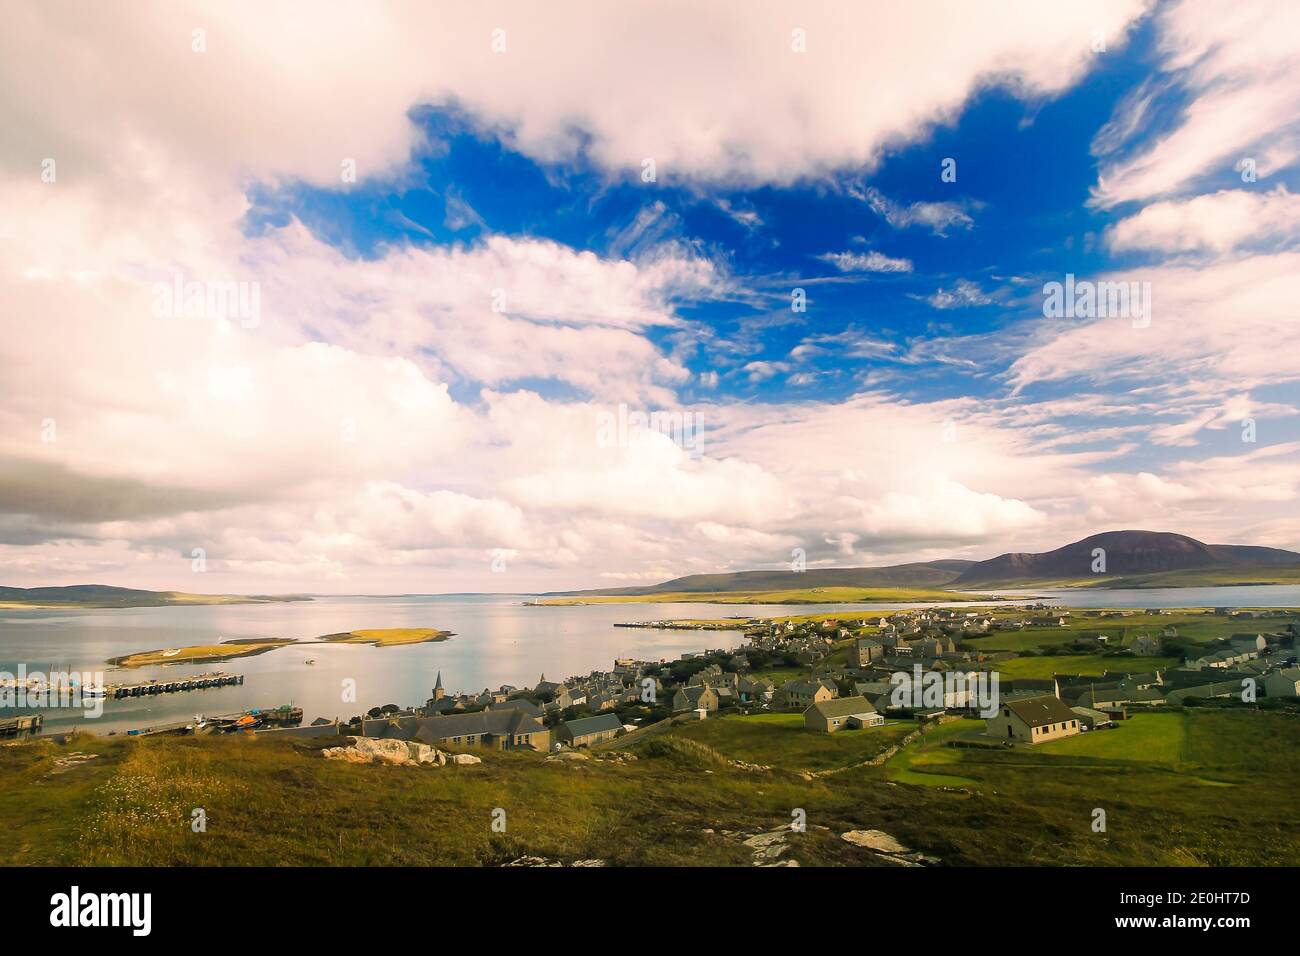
(829, 716)
(589, 730)
(1033, 720)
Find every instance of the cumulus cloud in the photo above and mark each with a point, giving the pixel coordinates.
(713, 92)
(1216, 222)
(390, 422)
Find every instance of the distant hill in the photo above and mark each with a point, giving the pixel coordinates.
(930, 574)
(102, 595)
(1128, 553)
(1133, 559)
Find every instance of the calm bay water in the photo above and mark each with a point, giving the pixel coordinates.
(499, 640)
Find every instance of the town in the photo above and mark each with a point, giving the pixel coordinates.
(839, 673)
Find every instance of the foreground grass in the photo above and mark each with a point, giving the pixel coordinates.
(274, 802)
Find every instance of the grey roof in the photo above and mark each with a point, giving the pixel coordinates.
(843, 707)
(328, 729)
(592, 725)
(519, 703)
(1039, 711)
(430, 730)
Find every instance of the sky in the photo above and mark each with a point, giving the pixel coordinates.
(391, 298)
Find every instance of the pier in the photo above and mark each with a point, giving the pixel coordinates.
(15, 728)
(149, 688)
(256, 719)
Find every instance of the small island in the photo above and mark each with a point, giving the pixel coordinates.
(201, 653)
(388, 636)
(250, 646)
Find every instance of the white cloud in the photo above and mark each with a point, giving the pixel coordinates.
(1235, 63)
(865, 262)
(938, 217)
(1217, 222)
(964, 293)
(1223, 325)
(709, 92)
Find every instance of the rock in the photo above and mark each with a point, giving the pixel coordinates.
(545, 861)
(346, 754)
(464, 759)
(877, 840)
(569, 755)
(768, 846)
(395, 753)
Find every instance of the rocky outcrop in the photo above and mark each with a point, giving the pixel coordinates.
(463, 759)
(887, 847)
(546, 861)
(392, 752)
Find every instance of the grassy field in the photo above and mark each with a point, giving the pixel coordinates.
(388, 636)
(1156, 738)
(782, 740)
(800, 596)
(273, 802)
(199, 653)
(1044, 667)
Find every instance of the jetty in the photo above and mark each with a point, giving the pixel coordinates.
(285, 715)
(16, 728)
(151, 687)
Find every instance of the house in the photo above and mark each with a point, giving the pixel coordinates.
(495, 729)
(759, 690)
(589, 730)
(828, 716)
(544, 687)
(570, 697)
(1248, 643)
(702, 697)
(1144, 645)
(802, 694)
(520, 704)
(1092, 719)
(1033, 720)
(866, 651)
(1283, 683)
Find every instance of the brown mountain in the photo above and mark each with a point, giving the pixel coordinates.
(1127, 553)
(923, 574)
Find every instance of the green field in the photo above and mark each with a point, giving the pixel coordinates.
(926, 761)
(1044, 667)
(796, 596)
(782, 740)
(1155, 738)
